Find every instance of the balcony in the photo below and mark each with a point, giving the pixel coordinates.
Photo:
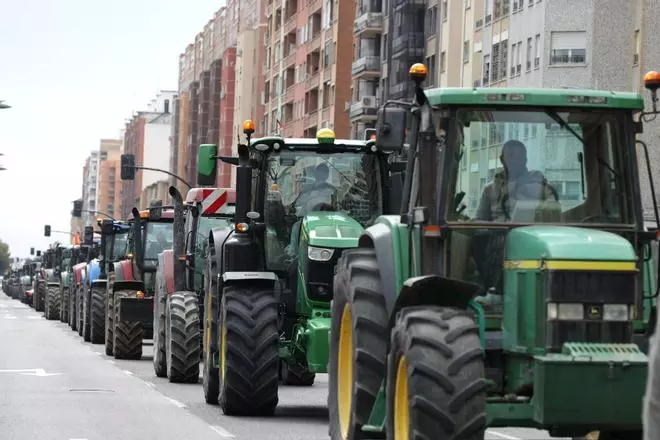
(290, 23)
(365, 107)
(413, 42)
(315, 44)
(312, 80)
(288, 95)
(367, 65)
(368, 23)
(311, 119)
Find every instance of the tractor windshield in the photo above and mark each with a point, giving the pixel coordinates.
(539, 166)
(306, 181)
(159, 236)
(119, 244)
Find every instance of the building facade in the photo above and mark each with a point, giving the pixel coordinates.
(90, 188)
(147, 136)
(109, 182)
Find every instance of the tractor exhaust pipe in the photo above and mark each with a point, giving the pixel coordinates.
(137, 238)
(179, 240)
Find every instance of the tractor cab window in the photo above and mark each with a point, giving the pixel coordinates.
(539, 166)
(532, 166)
(300, 182)
(119, 246)
(204, 226)
(159, 236)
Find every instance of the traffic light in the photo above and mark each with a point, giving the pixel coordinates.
(38, 253)
(88, 239)
(77, 208)
(31, 251)
(47, 231)
(127, 167)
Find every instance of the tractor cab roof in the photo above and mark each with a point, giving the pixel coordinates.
(166, 214)
(532, 97)
(325, 142)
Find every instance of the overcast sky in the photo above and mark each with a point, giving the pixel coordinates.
(73, 71)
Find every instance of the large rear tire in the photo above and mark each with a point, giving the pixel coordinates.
(249, 344)
(127, 342)
(39, 296)
(63, 293)
(358, 343)
(436, 385)
(80, 309)
(182, 337)
(160, 360)
(109, 322)
(211, 374)
(97, 324)
(73, 294)
(86, 313)
(52, 308)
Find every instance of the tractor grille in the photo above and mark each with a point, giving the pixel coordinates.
(591, 289)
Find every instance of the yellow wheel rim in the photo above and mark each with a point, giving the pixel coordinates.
(223, 350)
(401, 408)
(345, 370)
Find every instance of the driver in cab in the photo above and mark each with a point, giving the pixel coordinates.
(497, 204)
(156, 247)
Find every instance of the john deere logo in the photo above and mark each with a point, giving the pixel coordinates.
(594, 312)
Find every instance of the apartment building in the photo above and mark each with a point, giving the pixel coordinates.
(109, 182)
(307, 83)
(147, 136)
(90, 187)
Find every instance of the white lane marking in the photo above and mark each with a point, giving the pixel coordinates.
(221, 431)
(111, 361)
(31, 372)
(10, 317)
(130, 373)
(34, 317)
(149, 384)
(77, 439)
(175, 402)
(504, 436)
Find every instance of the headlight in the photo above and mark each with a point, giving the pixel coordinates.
(565, 311)
(319, 254)
(616, 312)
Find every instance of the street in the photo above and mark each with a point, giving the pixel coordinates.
(53, 386)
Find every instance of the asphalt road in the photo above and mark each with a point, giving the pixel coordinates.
(53, 386)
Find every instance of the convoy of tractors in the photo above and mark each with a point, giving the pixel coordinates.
(435, 310)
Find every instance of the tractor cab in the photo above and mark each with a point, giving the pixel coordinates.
(521, 251)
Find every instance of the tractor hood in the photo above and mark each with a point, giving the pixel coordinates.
(331, 230)
(93, 271)
(567, 243)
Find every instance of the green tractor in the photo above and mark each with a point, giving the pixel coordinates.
(450, 318)
(299, 204)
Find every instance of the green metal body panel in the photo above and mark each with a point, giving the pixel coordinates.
(331, 230)
(66, 279)
(567, 243)
(535, 97)
(317, 345)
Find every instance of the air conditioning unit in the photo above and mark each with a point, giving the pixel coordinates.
(369, 101)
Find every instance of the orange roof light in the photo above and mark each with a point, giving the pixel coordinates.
(248, 126)
(652, 80)
(418, 72)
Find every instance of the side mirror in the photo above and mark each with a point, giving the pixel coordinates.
(127, 167)
(207, 164)
(77, 208)
(391, 128)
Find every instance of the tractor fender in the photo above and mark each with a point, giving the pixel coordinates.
(165, 271)
(53, 284)
(66, 279)
(128, 285)
(217, 238)
(99, 283)
(435, 290)
(124, 270)
(249, 278)
(379, 238)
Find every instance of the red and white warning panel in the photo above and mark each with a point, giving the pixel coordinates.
(213, 200)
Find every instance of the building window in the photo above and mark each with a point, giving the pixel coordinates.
(486, 80)
(430, 63)
(568, 48)
(528, 65)
(466, 51)
(504, 58)
(431, 21)
(495, 73)
(537, 46)
(443, 61)
(445, 13)
(636, 45)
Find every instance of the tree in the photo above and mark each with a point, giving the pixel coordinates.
(5, 257)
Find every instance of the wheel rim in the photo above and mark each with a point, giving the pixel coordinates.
(345, 370)
(223, 349)
(401, 414)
